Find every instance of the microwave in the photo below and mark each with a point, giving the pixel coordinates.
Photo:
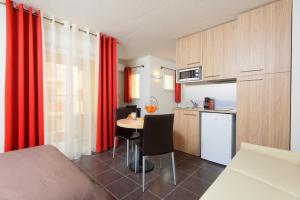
(189, 75)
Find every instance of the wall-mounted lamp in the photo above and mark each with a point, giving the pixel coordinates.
(157, 76)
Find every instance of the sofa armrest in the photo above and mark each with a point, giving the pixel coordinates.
(277, 153)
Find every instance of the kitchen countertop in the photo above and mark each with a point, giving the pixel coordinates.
(223, 110)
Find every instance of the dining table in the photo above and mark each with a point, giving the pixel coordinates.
(138, 125)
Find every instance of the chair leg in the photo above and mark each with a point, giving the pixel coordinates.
(114, 149)
(127, 141)
(135, 159)
(143, 173)
(160, 162)
(132, 146)
(173, 166)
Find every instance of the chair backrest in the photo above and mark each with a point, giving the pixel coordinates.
(158, 134)
(135, 109)
(122, 113)
(131, 106)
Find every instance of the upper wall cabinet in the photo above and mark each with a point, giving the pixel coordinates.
(264, 39)
(194, 49)
(219, 52)
(230, 67)
(181, 53)
(189, 51)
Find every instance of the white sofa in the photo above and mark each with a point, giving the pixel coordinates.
(258, 173)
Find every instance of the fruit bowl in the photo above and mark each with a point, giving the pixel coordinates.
(152, 106)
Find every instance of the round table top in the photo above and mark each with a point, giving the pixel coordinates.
(131, 123)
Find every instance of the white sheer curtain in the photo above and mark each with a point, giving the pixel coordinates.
(70, 88)
(2, 71)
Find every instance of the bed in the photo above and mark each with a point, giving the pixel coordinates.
(42, 172)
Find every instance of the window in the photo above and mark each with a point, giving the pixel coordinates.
(135, 86)
(168, 82)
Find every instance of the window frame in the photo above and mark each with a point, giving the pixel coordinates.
(173, 82)
(138, 88)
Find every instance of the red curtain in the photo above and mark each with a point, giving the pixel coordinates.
(24, 121)
(107, 93)
(177, 91)
(127, 85)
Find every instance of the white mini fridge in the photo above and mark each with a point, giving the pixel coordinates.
(217, 137)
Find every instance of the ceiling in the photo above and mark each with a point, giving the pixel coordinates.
(145, 27)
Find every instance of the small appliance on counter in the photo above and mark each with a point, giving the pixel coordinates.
(209, 103)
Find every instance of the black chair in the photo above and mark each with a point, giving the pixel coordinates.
(157, 140)
(136, 109)
(131, 106)
(138, 114)
(125, 133)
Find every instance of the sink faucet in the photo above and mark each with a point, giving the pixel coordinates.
(195, 104)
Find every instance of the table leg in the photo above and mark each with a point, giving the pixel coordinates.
(149, 166)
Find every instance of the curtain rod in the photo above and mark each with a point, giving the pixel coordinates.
(61, 23)
(58, 22)
(167, 68)
(18, 8)
(139, 66)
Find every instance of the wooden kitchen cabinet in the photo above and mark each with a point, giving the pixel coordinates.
(212, 53)
(250, 102)
(263, 110)
(181, 52)
(189, 51)
(230, 66)
(187, 131)
(259, 42)
(219, 52)
(194, 57)
(251, 41)
(192, 122)
(179, 133)
(256, 48)
(264, 39)
(279, 37)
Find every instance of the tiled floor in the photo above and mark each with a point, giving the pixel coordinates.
(115, 181)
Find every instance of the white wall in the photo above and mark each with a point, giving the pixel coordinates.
(223, 93)
(295, 111)
(2, 71)
(145, 81)
(150, 86)
(165, 97)
(120, 84)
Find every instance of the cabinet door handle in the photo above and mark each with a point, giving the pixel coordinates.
(252, 70)
(248, 80)
(190, 114)
(193, 63)
(211, 76)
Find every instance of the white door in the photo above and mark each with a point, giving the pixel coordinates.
(217, 137)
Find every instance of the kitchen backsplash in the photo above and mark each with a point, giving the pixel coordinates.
(224, 94)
